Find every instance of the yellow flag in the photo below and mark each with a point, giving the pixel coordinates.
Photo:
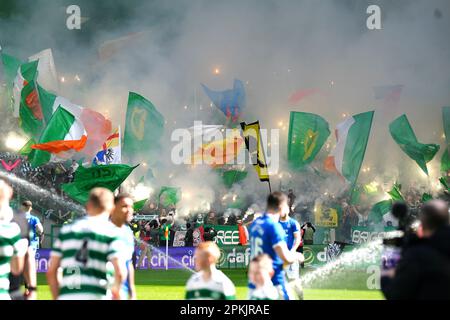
(254, 146)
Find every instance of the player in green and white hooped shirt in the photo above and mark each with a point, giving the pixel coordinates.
(209, 283)
(12, 247)
(121, 217)
(83, 249)
(260, 273)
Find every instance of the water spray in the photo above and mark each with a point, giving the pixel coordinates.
(37, 192)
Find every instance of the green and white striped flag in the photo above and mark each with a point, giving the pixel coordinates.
(352, 136)
(17, 77)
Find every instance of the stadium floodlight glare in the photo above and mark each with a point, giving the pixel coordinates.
(14, 142)
(141, 192)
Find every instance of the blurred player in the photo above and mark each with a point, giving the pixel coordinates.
(260, 273)
(267, 236)
(121, 216)
(12, 247)
(209, 283)
(293, 239)
(83, 249)
(32, 230)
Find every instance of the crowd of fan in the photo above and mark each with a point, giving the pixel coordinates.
(49, 177)
(52, 175)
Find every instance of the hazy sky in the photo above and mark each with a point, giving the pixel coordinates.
(275, 47)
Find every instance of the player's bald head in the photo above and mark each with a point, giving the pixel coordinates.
(100, 200)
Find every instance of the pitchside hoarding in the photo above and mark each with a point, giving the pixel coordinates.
(232, 257)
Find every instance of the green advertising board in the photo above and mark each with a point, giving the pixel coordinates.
(226, 235)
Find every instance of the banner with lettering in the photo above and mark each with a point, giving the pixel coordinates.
(362, 235)
(226, 235)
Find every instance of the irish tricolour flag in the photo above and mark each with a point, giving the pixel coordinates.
(351, 142)
(63, 133)
(98, 128)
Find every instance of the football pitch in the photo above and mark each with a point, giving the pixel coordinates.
(170, 285)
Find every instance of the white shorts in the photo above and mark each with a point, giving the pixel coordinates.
(293, 271)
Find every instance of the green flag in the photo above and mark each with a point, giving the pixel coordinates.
(403, 134)
(352, 136)
(10, 67)
(443, 181)
(31, 124)
(445, 160)
(143, 128)
(307, 134)
(355, 194)
(379, 209)
(138, 205)
(26, 149)
(48, 101)
(426, 197)
(169, 196)
(230, 177)
(446, 122)
(108, 176)
(395, 193)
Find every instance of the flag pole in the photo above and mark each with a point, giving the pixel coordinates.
(166, 233)
(167, 253)
(270, 188)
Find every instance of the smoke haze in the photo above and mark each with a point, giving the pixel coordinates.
(274, 47)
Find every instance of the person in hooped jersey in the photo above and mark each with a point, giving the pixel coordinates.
(209, 283)
(260, 272)
(121, 217)
(267, 236)
(12, 247)
(293, 239)
(32, 230)
(83, 249)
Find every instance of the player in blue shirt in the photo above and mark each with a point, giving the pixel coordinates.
(121, 216)
(293, 239)
(36, 228)
(267, 236)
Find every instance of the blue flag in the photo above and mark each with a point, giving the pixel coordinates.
(231, 102)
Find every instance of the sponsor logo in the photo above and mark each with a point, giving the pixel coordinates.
(227, 237)
(236, 257)
(363, 236)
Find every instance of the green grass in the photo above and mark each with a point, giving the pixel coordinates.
(169, 285)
